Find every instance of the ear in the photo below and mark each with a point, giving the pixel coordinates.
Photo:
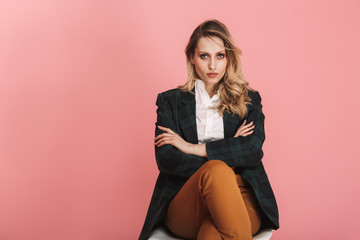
(192, 58)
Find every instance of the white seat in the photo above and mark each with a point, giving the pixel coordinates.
(162, 234)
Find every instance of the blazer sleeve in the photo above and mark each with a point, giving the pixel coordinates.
(242, 151)
(169, 159)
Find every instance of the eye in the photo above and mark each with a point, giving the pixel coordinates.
(221, 55)
(201, 55)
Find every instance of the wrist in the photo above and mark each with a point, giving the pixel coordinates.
(191, 149)
(198, 149)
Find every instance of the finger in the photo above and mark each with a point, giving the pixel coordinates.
(238, 130)
(164, 139)
(165, 136)
(162, 135)
(159, 136)
(245, 130)
(250, 123)
(243, 123)
(166, 129)
(247, 134)
(163, 143)
(163, 128)
(247, 125)
(237, 133)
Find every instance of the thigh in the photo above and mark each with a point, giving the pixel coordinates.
(187, 210)
(251, 203)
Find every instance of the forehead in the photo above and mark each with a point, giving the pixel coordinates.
(209, 45)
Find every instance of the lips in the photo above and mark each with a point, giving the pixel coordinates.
(212, 74)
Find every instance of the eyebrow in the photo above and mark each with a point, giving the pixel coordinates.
(206, 52)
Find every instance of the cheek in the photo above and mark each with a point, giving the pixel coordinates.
(224, 66)
(200, 66)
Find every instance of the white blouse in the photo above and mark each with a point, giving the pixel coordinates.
(209, 122)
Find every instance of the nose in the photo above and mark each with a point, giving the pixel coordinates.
(212, 64)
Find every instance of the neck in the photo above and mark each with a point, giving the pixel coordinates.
(211, 89)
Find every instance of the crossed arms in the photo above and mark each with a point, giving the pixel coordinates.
(175, 156)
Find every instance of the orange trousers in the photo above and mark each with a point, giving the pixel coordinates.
(214, 204)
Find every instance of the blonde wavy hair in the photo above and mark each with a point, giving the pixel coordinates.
(233, 89)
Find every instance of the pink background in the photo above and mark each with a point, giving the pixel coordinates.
(78, 84)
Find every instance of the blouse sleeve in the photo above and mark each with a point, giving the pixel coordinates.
(242, 151)
(169, 159)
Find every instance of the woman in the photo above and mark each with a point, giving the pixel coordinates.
(208, 147)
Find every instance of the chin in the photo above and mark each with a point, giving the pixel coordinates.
(213, 80)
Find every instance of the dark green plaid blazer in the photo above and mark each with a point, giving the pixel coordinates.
(176, 110)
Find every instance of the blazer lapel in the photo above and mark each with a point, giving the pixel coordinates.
(187, 117)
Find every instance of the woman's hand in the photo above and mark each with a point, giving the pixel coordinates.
(244, 130)
(172, 138)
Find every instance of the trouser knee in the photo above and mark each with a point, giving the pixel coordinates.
(217, 169)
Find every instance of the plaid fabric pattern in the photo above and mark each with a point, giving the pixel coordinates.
(176, 110)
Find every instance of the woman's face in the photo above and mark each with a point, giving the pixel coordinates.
(209, 57)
